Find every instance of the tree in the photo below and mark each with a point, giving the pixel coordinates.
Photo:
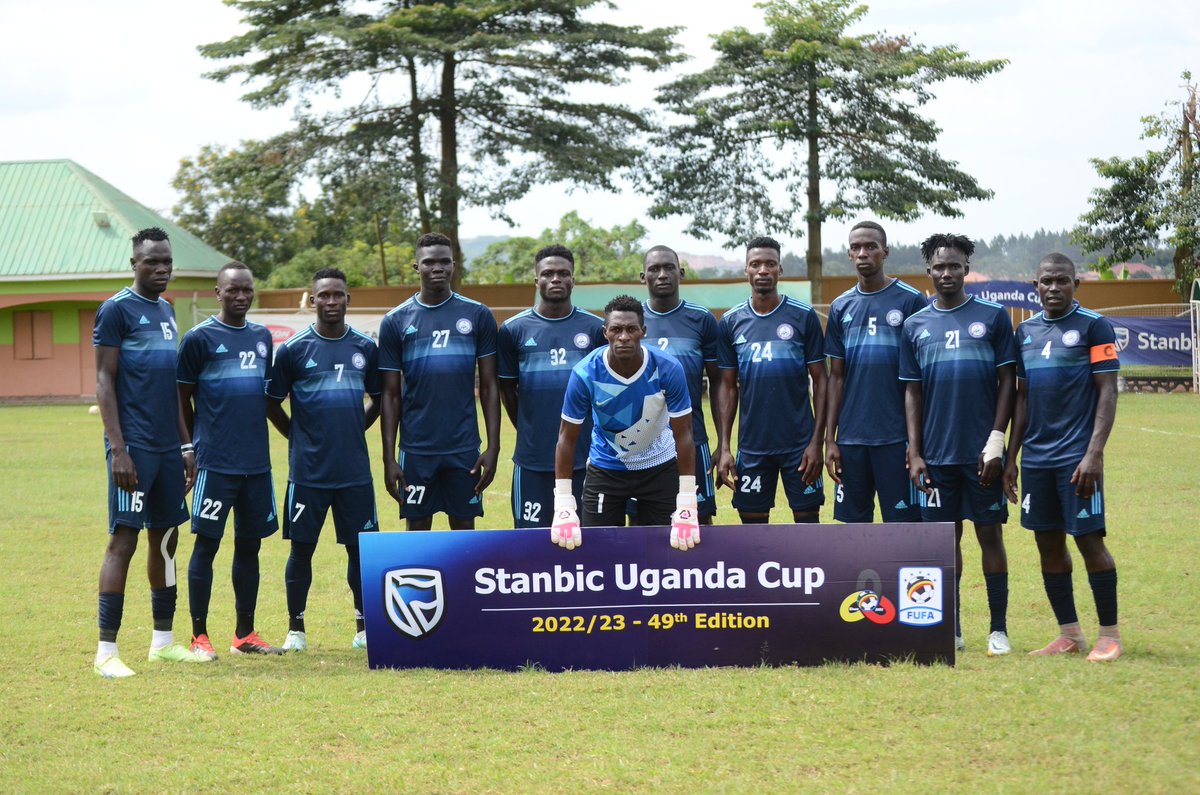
(1150, 198)
(805, 101)
(601, 255)
(477, 98)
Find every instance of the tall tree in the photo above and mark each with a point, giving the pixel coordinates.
(1152, 198)
(803, 102)
(482, 96)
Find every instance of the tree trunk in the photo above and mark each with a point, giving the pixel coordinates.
(1185, 256)
(418, 154)
(813, 216)
(448, 197)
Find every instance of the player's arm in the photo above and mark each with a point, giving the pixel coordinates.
(489, 399)
(371, 410)
(713, 372)
(834, 390)
(279, 417)
(914, 409)
(389, 425)
(810, 462)
(993, 452)
(1020, 420)
(187, 451)
(564, 525)
(508, 396)
(1088, 474)
(108, 360)
(727, 405)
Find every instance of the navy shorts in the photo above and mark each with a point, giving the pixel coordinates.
(251, 496)
(706, 490)
(353, 512)
(533, 496)
(958, 494)
(158, 502)
(1049, 502)
(870, 470)
(757, 476)
(440, 484)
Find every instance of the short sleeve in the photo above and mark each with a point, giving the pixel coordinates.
(191, 355)
(279, 382)
(1004, 339)
(726, 355)
(909, 369)
(110, 326)
(507, 360)
(577, 402)
(1102, 346)
(814, 340)
(835, 345)
(679, 400)
(485, 333)
(391, 345)
(373, 381)
(1020, 359)
(709, 334)
(598, 338)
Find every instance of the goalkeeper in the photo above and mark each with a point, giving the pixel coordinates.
(642, 443)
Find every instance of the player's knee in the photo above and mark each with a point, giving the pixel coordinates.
(420, 525)
(806, 517)
(753, 518)
(122, 544)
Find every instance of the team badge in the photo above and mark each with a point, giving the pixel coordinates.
(463, 325)
(977, 330)
(1122, 337)
(1071, 337)
(785, 331)
(414, 600)
(868, 604)
(359, 360)
(895, 317)
(920, 597)
(582, 340)
(261, 347)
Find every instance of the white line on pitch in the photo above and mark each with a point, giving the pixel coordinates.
(1170, 433)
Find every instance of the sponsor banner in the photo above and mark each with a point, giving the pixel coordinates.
(748, 595)
(284, 326)
(1017, 295)
(1162, 341)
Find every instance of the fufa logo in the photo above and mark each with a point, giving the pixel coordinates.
(414, 600)
(920, 596)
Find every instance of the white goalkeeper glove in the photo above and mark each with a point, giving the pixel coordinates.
(564, 530)
(685, 522)
(994, 447)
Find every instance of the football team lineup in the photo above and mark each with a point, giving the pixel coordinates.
(917, 410)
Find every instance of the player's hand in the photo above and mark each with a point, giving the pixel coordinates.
(833, 461)
(810, 463)
(918, 473)
(189, 471)
(564, 529)
(991, 460)
(1087, 476)
(124, 474)
(1010, 482)
(726, 474)
(989, 471)
(685, 522)
(393, 479)
(485, 467)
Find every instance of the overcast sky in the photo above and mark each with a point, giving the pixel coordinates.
(117, 87)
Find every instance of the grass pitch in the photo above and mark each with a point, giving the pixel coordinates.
(322, 721)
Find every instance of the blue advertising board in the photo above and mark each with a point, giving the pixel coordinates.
(748, 595)
(1162, 341)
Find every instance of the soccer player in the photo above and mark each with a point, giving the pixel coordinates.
(222, 377)
(770, 347)
(430, 347)
(688, 332)
(641, 436)
(326, 369)
(865, 436)
(151, 463)
(1066, 404)
(536, 350)
(957, 356)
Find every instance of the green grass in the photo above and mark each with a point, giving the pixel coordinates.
(323, 722)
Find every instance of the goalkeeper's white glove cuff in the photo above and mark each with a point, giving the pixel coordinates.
(563, 497)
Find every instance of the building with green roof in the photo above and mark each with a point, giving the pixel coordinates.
(64, 248)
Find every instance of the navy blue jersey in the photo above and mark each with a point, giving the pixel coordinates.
(954, 353)
(864, 329)
(147, 400)
(689, 333)
(771, 353)
(631, 416)
(327, 378)
(1058, 358)
(539, 352)
(435, 348)
(228, 365)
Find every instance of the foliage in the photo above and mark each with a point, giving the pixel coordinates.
(601, 255)
(803, 102)
(1149, 199)
(334, 725)
(469, 102)
(358, 260)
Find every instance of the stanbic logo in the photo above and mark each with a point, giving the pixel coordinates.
(414, 600)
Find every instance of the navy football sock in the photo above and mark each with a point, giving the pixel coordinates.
(1104, 591)
(354, 580)
(997, 596)
(112, 608)
(245, 583)
(1061, 593)
(298, 579)
(162, 607)
(200, 578)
